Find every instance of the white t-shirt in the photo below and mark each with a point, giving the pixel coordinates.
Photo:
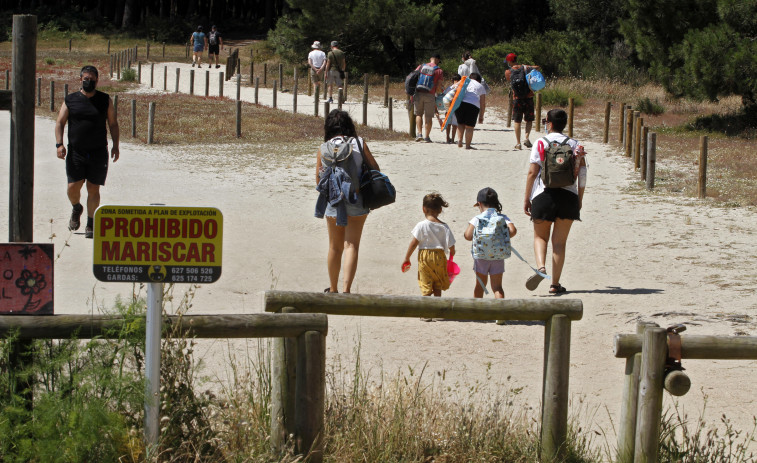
(433, 235)
(536, 159)
(491, 210)
(317, 57)
(473, 93)
(468, 67)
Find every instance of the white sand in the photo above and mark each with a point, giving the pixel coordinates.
(635, 256)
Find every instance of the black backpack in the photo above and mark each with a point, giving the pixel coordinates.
(518, 82)
(411, 81)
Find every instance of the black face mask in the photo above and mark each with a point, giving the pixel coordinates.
(88, 85)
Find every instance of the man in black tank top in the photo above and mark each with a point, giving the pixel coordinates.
(87, 112)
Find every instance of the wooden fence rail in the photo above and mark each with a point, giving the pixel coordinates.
(557, 314)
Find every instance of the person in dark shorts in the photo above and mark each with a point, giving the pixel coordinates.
(215, 43)
(553, 210)
(523, 105)
(87, 112)
(471, 110)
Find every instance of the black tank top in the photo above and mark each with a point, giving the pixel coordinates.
(86, 121)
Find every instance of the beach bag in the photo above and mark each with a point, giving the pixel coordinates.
(557, 163)
(335, 154)
(448, 97)
(426, 77)
(491, 238)
(440, 103)
(411, 81)
(376, 188)
(536, 80)
(518, 82)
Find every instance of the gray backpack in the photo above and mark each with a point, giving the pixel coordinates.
(557, 165)
(340, 155)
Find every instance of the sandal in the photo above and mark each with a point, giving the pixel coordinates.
(533, 281)
(557, 289)
(328, 290)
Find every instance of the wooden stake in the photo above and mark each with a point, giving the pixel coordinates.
(283, 389)
(365, 109)
(637, 141)
(52, 95)
(133, 118)
(316, 96)
(239, 87)
(570, 117)
(239, 118)
(644, 151)
(386, 90)
(411, 117)
(341, 98)
(537, 110)
(281, 76)
(151, 123)
(310, 395)
(108, 47)
(294, 92)
(702, 184)
(651, 160)
(649, 413)
(220, 84)
(207, 83)
(606, 133)
(621, 122)
(257, 86)
(165, 78)
(629, 131)
(554, 428)
(275, 84)
(265, 74)
(176, 90)
(391, 124)
(510, 109)
(191, 81)
(152, 74)
(139, 72)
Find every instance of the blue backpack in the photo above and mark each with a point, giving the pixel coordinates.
(426, 77)
(491, 237)
(536, 80)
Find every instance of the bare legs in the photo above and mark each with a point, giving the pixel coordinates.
(93, 195)
(420, 125)
(560, 231)
(499, 292)
(468, 131)
(516, 126)
(344, 240)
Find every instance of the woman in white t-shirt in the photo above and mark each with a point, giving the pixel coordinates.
(553, 210)
(471, 110)
(434, 239)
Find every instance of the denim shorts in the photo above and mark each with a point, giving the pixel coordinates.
(353, 210)
(489, 267)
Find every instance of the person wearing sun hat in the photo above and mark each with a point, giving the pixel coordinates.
(523, 104)
(317, 64)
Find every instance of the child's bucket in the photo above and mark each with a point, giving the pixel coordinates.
(453, 270)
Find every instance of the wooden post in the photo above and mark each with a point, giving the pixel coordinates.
(133, 118)
(326, 108)
(316, 96)
(629, 131)
(294, 92)
(177, 80)
(108, 47)
(21, 184)
(191, 81)
(627, 423)
(139, 72)
(310, 82)
(65, 91)
(537, 111)
(644, 143)
(649, 412)
(257, 86)
(118, 66)
(621, 123)
(283, 387)
(325, 86)
(52, 95)
(136, 53)
(265, 74)
(391, 124)
(151, 123)
(187, 50)
(651, 160)
(275, 84)
(281, 76)
(346, 80)
(147, 51)
(411, 117)
(365, 83)
(207, 83)
(554, 428)
(164, 49)
(637, 142)
(252, 72)
(7, 79)
(220, 84)
(239, 87)
(606, 133)
(69, 45)
(341, 99)
(310, 395)
(365, 109)
(386, 91)
(112, 63)
(115, 104)
(239, 118)
(510, 108)
(165, 78)
(152, 75)
(570, 117)
(702, 184)
(39, 89)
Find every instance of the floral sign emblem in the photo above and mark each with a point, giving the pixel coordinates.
(26, 279)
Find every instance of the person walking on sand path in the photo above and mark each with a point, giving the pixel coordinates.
(340, 200)
(471, 110)
(336, 64)
(424, 100)
(553, 209)
(87, 156)
(199, 43)
(317, 64)
(215, 43)
(523, 97)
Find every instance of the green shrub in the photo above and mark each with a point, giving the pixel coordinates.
(557, 96)
(128, 75)
(50, 61)
(647, 106)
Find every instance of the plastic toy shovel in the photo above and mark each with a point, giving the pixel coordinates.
(452, 269)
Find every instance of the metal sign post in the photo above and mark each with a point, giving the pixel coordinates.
(152, 365)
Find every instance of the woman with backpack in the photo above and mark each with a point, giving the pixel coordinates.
(340, 201)
(554, 194)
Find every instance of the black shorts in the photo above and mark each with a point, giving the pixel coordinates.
(213, 49)
(92, 166)
(523, 108)
(467, 114)
(555, 203)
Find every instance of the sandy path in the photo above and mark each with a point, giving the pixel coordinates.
(635, 256)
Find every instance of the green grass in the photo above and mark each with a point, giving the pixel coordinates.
(557, 96)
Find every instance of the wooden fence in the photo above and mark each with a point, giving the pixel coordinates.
(308, 363)
(556, 313)
(646, 377)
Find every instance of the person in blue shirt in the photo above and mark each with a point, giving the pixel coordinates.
(199, 43)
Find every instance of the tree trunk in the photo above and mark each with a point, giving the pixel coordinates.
(129, 14)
